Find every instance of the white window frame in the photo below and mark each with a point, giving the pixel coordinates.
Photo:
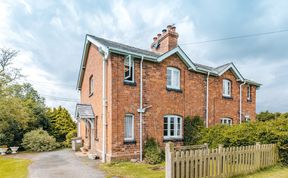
(174, 83)
(226, 120)
(91, 85)
(227, 87)
(175, 118)
(132, 134)
(249, 92)
(130, 65)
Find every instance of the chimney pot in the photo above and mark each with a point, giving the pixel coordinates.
(164, 30)
(158, 35)
(169, 27)
(173, 29)
(155, 38)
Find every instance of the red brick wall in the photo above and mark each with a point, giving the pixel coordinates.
(123, 99)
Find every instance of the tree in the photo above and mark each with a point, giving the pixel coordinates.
(265, 116)
(193, 128)
(61, 123)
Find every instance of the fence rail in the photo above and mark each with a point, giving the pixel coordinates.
(219, 162)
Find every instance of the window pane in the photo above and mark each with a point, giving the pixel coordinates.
(128, 127)
(178, 126)
(175, 78)
(172, 126)
(169, 77)
(128, 71)
(165, 126)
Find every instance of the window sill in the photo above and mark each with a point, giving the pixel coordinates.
(129, 83)
(128, 142)
(91, 94)
(97, 139)
(173, 140)
(249, 100)
(174, 89)
(227, 97)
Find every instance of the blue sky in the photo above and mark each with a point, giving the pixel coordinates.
(50, 36)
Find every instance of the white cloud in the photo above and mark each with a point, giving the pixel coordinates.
(27, 6)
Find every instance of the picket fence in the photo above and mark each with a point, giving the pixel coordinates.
(201, 162)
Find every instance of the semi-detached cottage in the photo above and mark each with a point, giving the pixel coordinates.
(129, 94)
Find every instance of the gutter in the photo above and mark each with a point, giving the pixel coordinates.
(240, 104)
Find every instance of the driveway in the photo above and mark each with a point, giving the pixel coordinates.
(62, 164)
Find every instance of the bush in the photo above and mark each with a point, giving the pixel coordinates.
(39, 140)
(69, 136)
(193, 128)
(152, 152)
(268, 132)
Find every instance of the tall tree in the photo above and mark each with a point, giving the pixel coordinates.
(61, 123)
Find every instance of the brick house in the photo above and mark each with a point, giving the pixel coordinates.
(129, 94)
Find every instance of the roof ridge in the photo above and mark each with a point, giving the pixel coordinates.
(224, 65)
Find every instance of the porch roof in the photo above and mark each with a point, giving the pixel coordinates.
(84, 111)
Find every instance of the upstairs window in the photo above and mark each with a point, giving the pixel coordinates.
(128, 69)
(172, 127)
(129, 127)
(173, 78)
(248, 92)
(226, 88)
(91, 85)
(226, 121)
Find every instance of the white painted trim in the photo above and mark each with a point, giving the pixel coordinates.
(181, 54)
(172, 86)
(228, 89)
(226, 119)
(235, 70)
(175, 127)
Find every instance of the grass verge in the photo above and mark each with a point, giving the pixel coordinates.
(133, 170)
(277, 171)
(13, 167)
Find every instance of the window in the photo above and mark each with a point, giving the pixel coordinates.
(172, 127)
(128, 69)
(248, 92)
(226, 88)
(129, 127)
(91, 85)
(247, 118)
(96, 128)
(227, 121)
(173, 78)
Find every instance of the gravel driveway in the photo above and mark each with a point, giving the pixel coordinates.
(62, 164)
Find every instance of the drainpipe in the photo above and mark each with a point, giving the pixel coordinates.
(104, 104)
(207, 100)
(240, 104)
(141, 111)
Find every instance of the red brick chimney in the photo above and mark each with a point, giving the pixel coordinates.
(166, 41)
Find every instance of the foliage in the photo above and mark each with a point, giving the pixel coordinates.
(266, 116)
(12, 167)
(61, 123)
(273, 131)
(39, 140)
(133, 170)
(193, 128)
(69, 136)
(152, 152)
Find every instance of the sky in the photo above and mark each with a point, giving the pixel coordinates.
(50, 37)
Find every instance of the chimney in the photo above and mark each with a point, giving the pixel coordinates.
(165, 41)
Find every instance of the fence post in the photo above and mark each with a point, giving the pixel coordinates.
(258, 156)
(221, 160)
(169, 150)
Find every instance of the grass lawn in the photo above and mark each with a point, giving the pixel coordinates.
(131, 170)
(12, 167)
(273, 172)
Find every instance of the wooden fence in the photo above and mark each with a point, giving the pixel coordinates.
(199, 162)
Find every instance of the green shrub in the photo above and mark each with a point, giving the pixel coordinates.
(152, 152)
(69, 136)
(268, 132)
(193, 128)
(39, 140)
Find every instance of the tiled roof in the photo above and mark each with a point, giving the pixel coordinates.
(117, 45)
